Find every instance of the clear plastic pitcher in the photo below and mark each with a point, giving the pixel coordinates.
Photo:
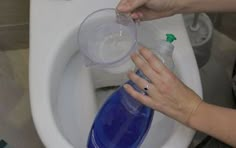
(107, 38)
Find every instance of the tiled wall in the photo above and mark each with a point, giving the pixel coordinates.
(14, 24)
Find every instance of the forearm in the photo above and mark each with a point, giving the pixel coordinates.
(208, 6)
(216, 121)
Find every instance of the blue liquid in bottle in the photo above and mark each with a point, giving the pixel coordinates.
(122, 122)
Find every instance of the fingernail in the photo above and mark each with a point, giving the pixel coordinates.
(120, 7)
(133, 55)
(134, 15)
(142, 49)
(140, 14)
(130, 72)
(126, 86)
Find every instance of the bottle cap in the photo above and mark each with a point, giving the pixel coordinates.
(170, 38)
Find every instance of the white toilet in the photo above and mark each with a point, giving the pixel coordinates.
(62, 92)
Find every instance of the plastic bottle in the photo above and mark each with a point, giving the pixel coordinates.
(164, 50)
(123, 122)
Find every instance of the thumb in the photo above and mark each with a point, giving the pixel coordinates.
(129, 5)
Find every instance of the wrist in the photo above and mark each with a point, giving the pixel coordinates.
(190, 6)
(196, 116)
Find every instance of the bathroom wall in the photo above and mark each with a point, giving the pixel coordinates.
(225, 23)
(14, 24)
(228, 25)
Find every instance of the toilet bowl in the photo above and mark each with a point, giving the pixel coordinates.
(62, 95)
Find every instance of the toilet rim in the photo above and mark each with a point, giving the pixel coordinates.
(41, 108)
(44, 121)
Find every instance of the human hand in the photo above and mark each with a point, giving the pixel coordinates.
(166, 93)
(150, 9)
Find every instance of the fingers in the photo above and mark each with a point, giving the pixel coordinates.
(137, 15)
(152, 60)
(142, 83)
(144, 67)
(146, 100)
(144, 14)
(130, 5)
(150, 14)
